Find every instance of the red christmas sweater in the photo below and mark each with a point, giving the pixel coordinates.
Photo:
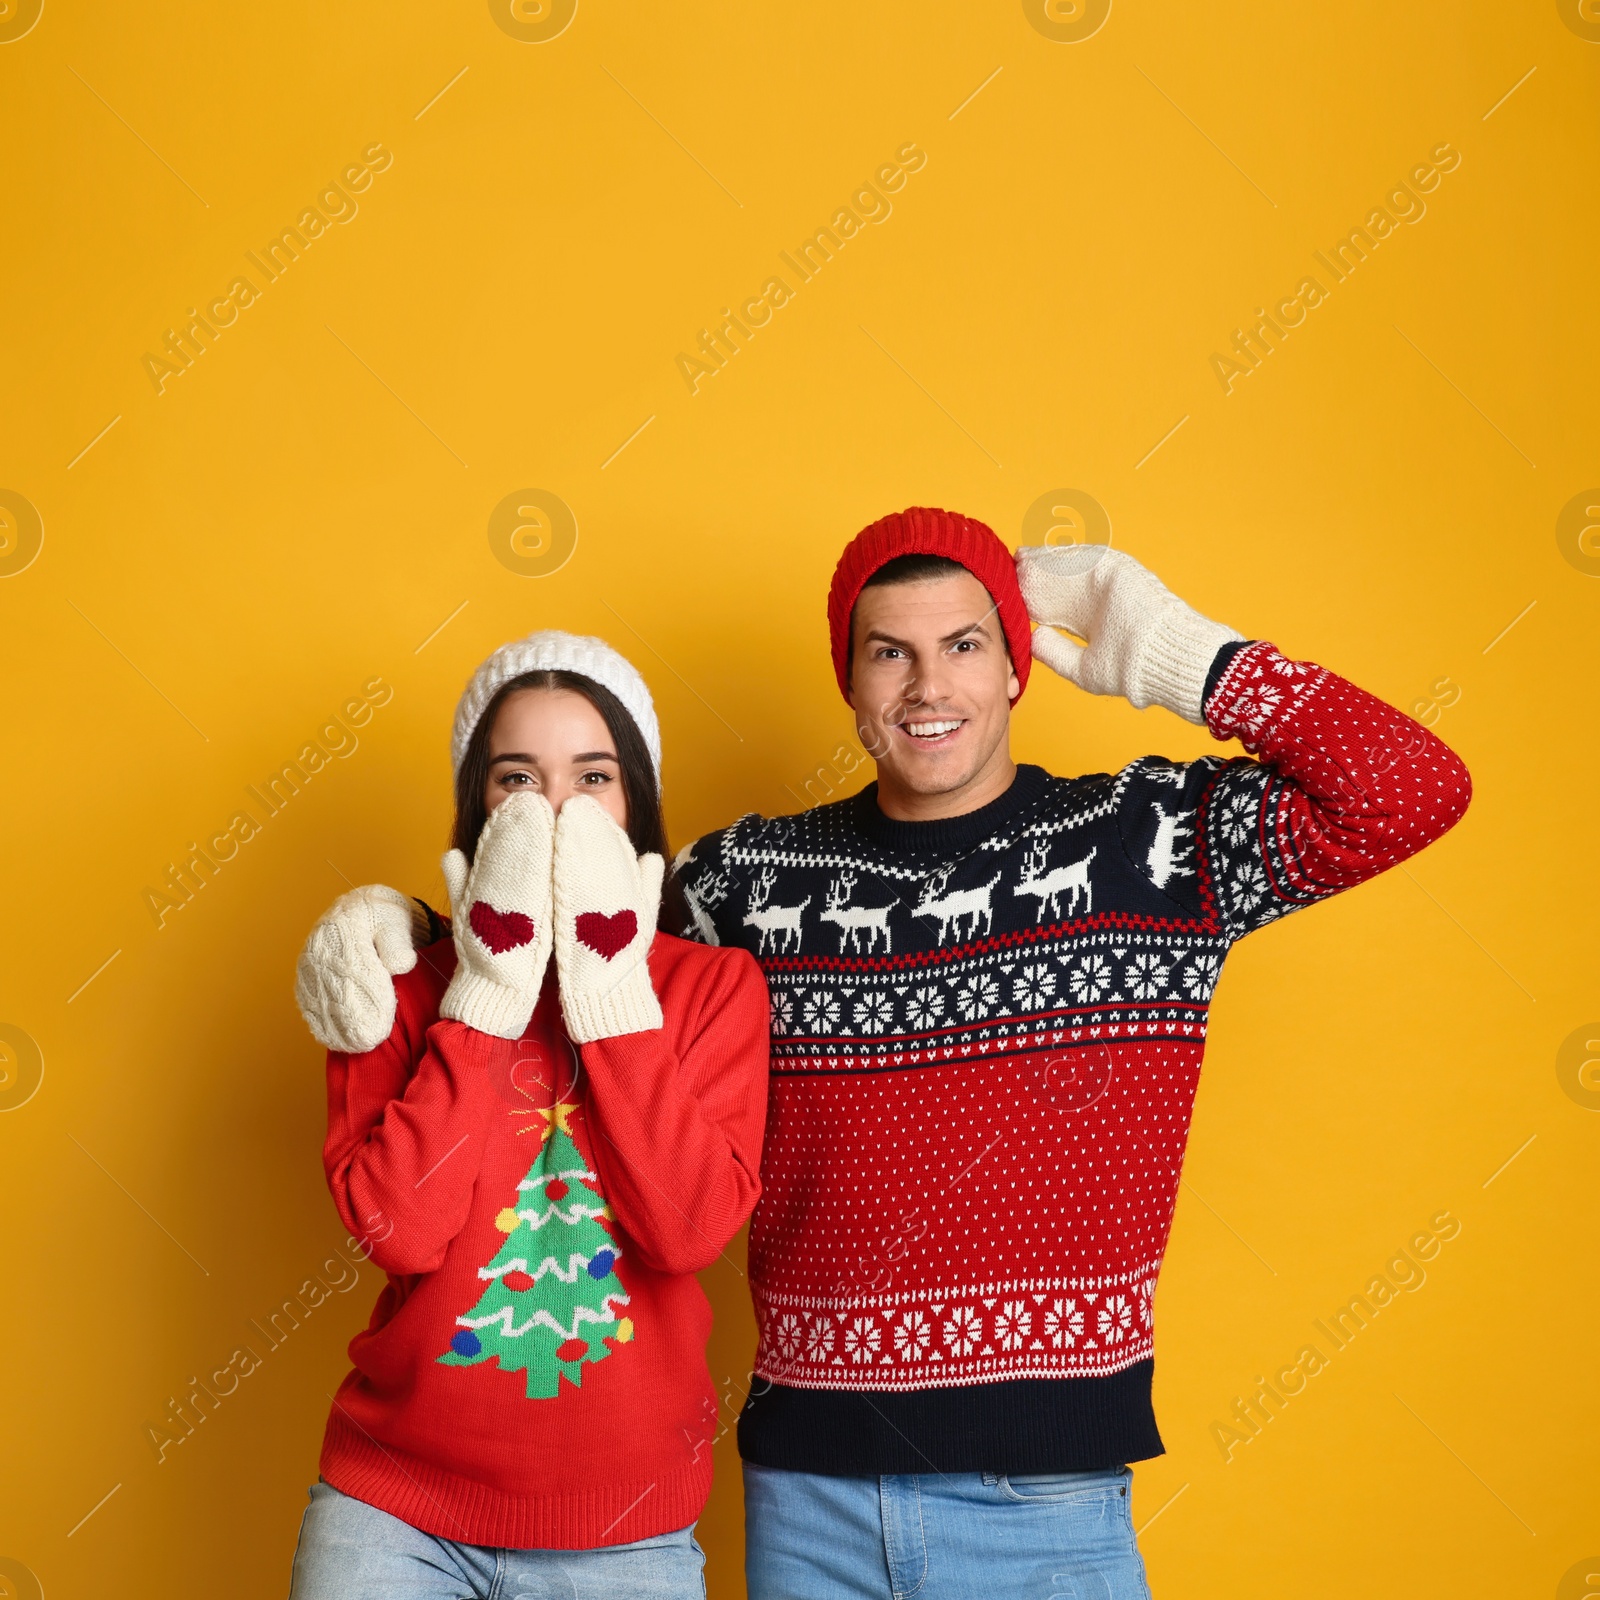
(534, 1372)
(987, 1038)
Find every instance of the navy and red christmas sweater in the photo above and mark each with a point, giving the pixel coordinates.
(987, 1033)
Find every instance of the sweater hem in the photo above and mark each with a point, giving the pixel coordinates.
(1008, 1426)
(448, 1506)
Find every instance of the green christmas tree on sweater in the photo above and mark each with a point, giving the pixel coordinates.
(551, 1293)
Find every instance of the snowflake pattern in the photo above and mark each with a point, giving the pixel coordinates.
(1238, 817)
(1248, 887)
(965, 1335)
(819, 1341)
(977, 996)
(1090, 980)
(1147, 976)
(1200, 976)
(913, 1336)
(1033, 987)
(821, 1012)
(1145, 1298)
(788, 1334)
(1114, 1318)
(861, 1339)
(963, 1331)
(874, 1012)
(782, 1011)
(1012, 1323)
(1063, 1323)
(924, 1008)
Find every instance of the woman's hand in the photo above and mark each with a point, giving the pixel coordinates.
(606, 903)
(500, 918)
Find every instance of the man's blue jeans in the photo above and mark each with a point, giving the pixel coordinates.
(352, 1551)
(941, 1536)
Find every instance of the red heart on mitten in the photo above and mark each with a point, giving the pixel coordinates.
(603, 934)
(500, 930)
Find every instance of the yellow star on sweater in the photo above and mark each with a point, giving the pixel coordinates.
(556, 1117)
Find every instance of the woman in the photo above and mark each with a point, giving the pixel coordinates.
(562, 1125)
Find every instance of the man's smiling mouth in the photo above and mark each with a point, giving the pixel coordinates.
(932, 730)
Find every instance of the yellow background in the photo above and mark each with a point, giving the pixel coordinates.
(302, 509)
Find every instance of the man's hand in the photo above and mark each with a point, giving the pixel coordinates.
(1144, 643)
(344, 983)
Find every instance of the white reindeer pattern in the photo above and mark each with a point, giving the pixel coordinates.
(1166, 850)
(1071, 880)
(711, 890)
(853, 921)
(773, 920)
(970, 905)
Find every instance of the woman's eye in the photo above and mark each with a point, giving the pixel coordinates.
(595, 780)
(516, 780)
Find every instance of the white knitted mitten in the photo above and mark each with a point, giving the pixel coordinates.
(607, 900)
(1144, 642)
(344, 980)
(500, 918)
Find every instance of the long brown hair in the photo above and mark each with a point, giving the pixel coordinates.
(647, 829)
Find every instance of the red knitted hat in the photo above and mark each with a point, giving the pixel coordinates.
(924, 531)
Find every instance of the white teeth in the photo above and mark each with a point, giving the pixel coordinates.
(930, 730)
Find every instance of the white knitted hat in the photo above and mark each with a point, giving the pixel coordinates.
(550, 650)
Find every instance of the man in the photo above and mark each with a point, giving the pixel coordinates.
(989, 998)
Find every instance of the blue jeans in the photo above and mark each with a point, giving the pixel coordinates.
(352, 1551)
(941, 1536)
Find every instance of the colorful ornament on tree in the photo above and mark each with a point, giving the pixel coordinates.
(551, 1293)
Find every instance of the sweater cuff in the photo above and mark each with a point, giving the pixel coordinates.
(1180, 656)
(489, 1007)
(1219, 665)
(631, 1007)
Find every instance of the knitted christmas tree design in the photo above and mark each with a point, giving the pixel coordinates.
(551, 1293)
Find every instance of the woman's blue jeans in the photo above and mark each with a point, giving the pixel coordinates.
(352, 1551)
